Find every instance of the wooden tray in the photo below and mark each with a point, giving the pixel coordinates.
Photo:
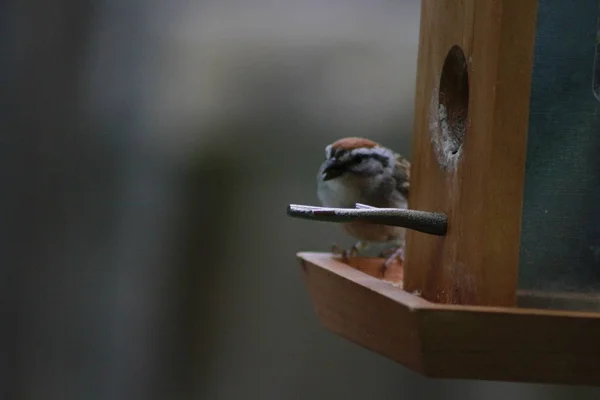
(453, 341)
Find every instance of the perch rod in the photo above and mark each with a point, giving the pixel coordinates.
(423, 221)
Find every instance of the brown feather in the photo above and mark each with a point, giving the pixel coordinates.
(402, 175)
(351, 143)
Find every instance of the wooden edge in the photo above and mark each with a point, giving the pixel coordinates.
(363, 309)
(330, 263)
(554, 348)
(453, 341)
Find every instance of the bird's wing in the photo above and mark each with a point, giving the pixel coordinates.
(402, 175)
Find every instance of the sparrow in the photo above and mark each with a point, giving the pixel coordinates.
(359, 170)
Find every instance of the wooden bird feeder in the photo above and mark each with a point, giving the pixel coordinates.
(506, 161)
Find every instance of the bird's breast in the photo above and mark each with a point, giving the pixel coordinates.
(337, 193)
(374, 233)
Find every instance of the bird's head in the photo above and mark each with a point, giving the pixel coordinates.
(356, 156)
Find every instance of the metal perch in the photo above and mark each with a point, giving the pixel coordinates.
(432, 223)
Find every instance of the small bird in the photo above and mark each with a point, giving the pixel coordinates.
(359, 170)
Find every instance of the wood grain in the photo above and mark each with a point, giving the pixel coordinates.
(362, 308)
(477, 261)
(453, 341)
(393, 274)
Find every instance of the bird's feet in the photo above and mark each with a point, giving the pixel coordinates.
(352, 252)
(395, 253)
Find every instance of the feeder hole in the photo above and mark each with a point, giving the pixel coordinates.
(454, 100)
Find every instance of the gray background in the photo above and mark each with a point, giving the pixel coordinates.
(149, 149)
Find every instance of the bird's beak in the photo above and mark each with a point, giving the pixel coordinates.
(332, 169)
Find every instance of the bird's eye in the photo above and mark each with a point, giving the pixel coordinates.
(357, 159)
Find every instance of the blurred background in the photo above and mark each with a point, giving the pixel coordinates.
(149, 150)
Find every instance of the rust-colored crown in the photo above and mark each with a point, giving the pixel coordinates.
(350, 143)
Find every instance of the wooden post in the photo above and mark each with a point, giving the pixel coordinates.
(471, 121)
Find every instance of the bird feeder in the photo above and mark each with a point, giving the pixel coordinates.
(506, 162)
